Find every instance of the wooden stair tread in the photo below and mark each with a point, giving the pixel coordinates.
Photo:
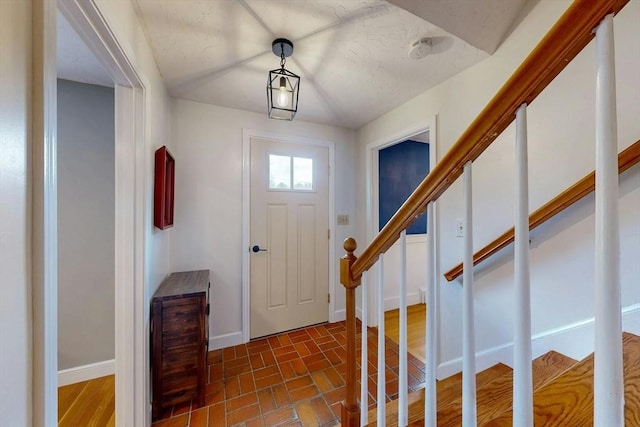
(454, 391)
(495, 397)
(447, 390)
(548, 366)
(567, 401)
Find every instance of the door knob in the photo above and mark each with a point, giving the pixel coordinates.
(257, 249)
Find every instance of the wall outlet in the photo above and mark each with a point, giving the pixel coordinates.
(343, 219)
(459, 228)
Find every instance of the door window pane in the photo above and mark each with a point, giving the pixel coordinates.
(302, 173)
(279, 172)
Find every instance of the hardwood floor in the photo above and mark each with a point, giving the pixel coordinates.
(92, 403)
(415, 329)
(88, 403)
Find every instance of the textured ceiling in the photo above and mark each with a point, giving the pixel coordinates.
(351, 54)
(74, 59)
(483, 23)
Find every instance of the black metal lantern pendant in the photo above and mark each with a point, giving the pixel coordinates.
(283, 85)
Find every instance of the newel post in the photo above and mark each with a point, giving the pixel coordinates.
(350, 407)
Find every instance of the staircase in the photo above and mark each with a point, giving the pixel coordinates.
(563, 393)
(555, 390)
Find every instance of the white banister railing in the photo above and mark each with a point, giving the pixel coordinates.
(364, 363)
(431, 334)
(522, 374)
(469, 415)
(403, 408)
(380, 398)
(608, 382)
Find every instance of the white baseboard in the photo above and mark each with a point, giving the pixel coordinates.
(574, 340)
(86, 372)
(340, 315)
(226, 340)
(631, 319)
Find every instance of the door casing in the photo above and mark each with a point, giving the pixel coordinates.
(131, 346)
(426, 125)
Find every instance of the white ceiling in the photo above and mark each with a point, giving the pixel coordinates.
(351, 54)
(74, 59)
(482, 23)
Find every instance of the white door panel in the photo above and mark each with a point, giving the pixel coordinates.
(289, 222)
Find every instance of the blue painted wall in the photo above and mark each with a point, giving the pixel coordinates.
(401, 168)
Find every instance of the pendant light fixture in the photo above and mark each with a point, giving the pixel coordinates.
(283, 85)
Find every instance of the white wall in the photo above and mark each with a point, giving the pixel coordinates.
(561, 151)
(123, 21)
(15, 213)
(207, 232)
(416, 251)
(86, 224)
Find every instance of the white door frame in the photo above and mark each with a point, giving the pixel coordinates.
(372, 150)
(132, 399)
(247, 134)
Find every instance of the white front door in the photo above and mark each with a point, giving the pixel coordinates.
(289, 235)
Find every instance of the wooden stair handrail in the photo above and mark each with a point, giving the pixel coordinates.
(572, 32)
(626, 159)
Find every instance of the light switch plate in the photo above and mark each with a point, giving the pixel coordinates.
(343, 219)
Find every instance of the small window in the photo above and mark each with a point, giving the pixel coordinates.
(290, 173)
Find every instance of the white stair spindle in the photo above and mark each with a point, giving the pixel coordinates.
(381, 396)
(608, 381)
(403, 408)
(522, 372)
(431, 352)
(364, 363)
(469, 412)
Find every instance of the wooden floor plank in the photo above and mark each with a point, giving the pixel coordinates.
(105, 406)
(93, 405)
(416, 320)
(67, 395)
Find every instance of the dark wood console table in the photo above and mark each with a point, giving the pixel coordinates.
(179, 340)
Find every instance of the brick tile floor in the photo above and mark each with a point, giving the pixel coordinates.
(295, 378)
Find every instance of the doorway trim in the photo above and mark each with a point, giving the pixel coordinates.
(132, 398)
(247, 134)
(427, 125)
